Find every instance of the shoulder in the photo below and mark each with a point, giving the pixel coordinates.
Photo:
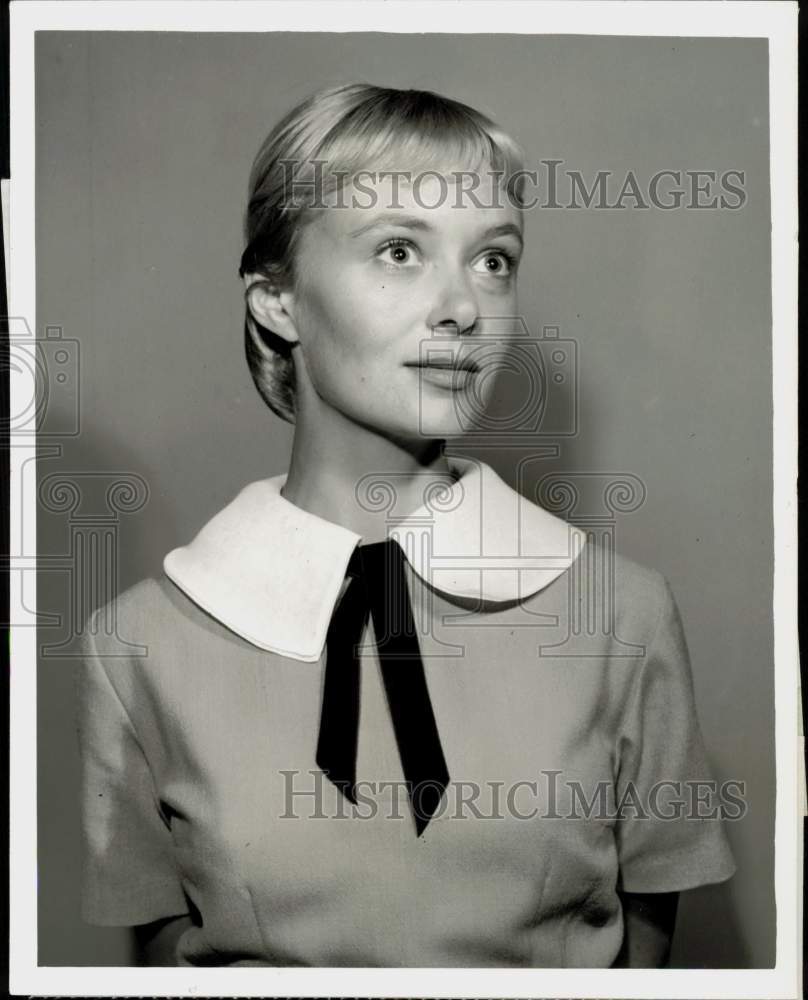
(601, 565)
(140, 605)
(148, 653)
(636, 604)
(152, 636)
(612, 592)
(153, 609)
(642, 593)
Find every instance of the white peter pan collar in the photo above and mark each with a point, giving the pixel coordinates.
(271, 571)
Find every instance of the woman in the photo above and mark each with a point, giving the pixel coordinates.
(362, 735)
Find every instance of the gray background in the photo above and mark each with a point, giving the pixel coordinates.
(144, 142)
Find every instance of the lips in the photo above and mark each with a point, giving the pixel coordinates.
(460, 365)
(457, 377)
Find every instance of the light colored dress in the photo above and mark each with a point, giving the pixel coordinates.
(560, 691)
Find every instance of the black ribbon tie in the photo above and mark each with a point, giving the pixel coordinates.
(378, 585)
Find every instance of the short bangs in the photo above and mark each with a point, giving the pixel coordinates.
(359, 127)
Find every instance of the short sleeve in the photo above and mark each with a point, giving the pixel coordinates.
(669, 829)
(128, 874)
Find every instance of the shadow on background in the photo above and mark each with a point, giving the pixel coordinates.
(63, 937)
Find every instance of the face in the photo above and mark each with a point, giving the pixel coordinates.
(403, 308)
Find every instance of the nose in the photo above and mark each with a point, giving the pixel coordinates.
(455, 302)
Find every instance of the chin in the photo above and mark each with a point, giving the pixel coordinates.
(434, 419)
(444, 421)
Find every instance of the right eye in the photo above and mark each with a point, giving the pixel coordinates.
(398, 253)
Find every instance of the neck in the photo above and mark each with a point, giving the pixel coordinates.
(353, 476)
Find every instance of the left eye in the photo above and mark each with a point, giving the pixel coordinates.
(494, 262)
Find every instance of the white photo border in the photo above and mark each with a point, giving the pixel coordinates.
(775, 21)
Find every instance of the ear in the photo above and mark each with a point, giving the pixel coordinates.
(270, 306)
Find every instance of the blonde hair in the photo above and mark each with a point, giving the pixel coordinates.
(348, 128)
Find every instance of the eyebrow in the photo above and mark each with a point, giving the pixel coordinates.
(414, 222)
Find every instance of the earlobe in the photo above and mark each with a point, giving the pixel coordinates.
(270, 307)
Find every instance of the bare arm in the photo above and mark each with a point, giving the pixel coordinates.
(649, 919)
(156, 942)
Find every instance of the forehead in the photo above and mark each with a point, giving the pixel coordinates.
(459, 202)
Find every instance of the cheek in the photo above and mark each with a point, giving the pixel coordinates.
(354, 342)
(347, 326)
